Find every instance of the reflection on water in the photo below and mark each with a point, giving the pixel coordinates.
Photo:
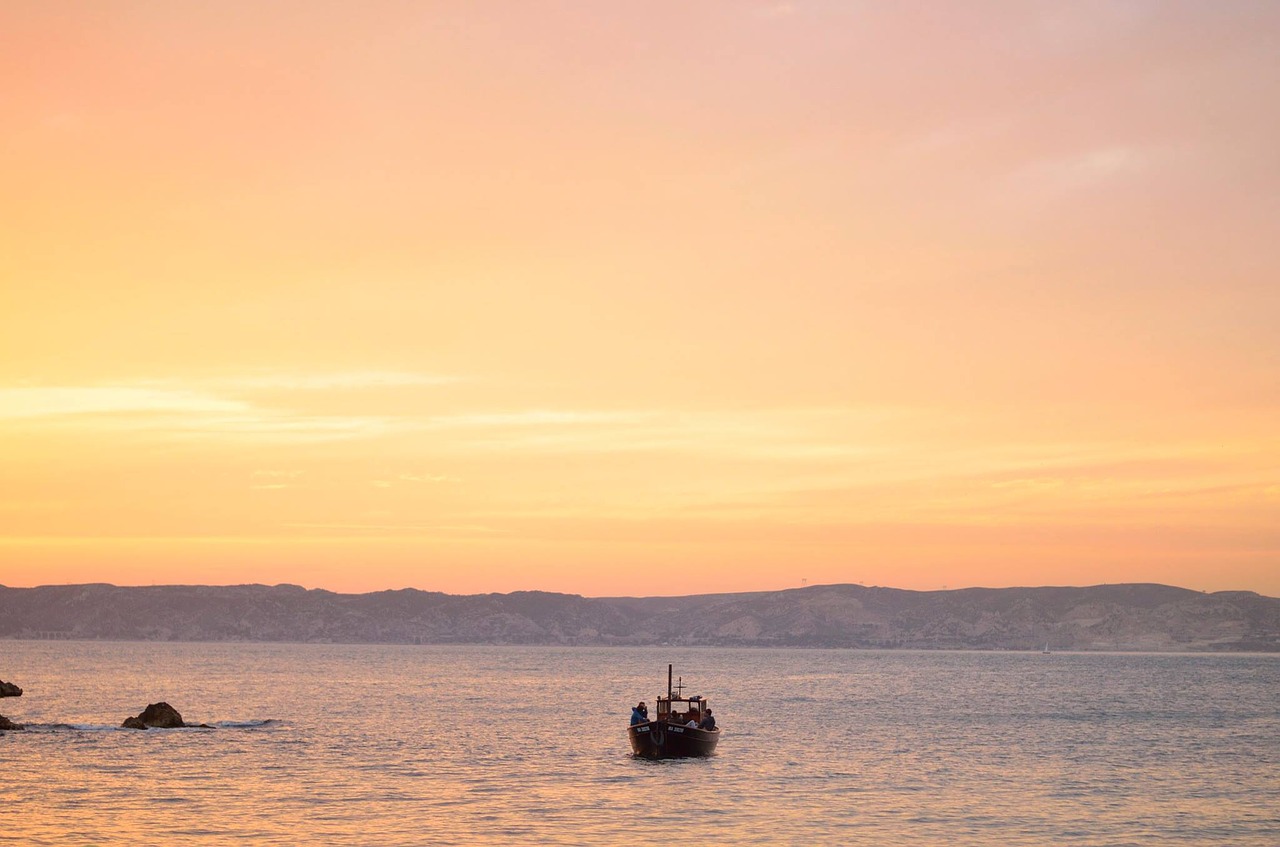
(458, 745)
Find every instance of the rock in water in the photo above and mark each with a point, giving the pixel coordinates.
(160, 715)
(8, 689)
(5, 723)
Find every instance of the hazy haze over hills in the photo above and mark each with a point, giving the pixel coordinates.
(1103, 617)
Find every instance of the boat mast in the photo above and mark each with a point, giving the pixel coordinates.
(668, 682)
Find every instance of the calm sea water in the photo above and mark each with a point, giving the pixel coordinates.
(335, 745)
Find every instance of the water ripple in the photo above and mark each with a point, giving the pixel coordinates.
(467, 745)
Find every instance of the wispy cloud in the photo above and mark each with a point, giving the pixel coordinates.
(340, 380)
(204, 408)
(818, 434)
(401, 528)
(55, 401)
(413, 479)
(1088, 169)
(199, 395)
(535, 418)
(776, 10)
(274, 480)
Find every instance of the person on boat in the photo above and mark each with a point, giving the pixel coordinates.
(639, 714)
(708, 722)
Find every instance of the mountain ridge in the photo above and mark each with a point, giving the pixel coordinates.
(1114, 617)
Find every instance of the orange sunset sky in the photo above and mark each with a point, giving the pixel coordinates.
(640, 298)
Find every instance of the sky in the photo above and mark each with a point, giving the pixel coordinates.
(640, 298)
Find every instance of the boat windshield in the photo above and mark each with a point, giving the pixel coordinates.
(689, 709)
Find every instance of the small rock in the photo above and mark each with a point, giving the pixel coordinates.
(8, 689)
(5, 723)
(160, 715)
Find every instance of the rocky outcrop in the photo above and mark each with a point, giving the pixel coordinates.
(8, 689)
(160, 715)
(6, 724)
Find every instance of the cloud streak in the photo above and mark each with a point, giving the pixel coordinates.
(19, 403)
(336, 381)
(195, 409)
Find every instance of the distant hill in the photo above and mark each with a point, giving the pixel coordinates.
(1100, 617)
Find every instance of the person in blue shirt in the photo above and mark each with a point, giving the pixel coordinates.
(639, 714)
(708, 722)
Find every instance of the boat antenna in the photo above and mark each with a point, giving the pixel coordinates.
(668, 682)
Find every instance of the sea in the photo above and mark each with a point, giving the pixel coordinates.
(441, 745)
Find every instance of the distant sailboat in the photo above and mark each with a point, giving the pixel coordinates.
(1046, 650)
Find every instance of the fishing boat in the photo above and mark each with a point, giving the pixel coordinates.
(677, 729)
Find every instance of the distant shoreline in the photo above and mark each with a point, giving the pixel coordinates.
(1108, 618)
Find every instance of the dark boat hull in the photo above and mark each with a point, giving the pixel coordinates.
(665, 741)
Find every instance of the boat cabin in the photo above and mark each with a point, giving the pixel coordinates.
(682, 709)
